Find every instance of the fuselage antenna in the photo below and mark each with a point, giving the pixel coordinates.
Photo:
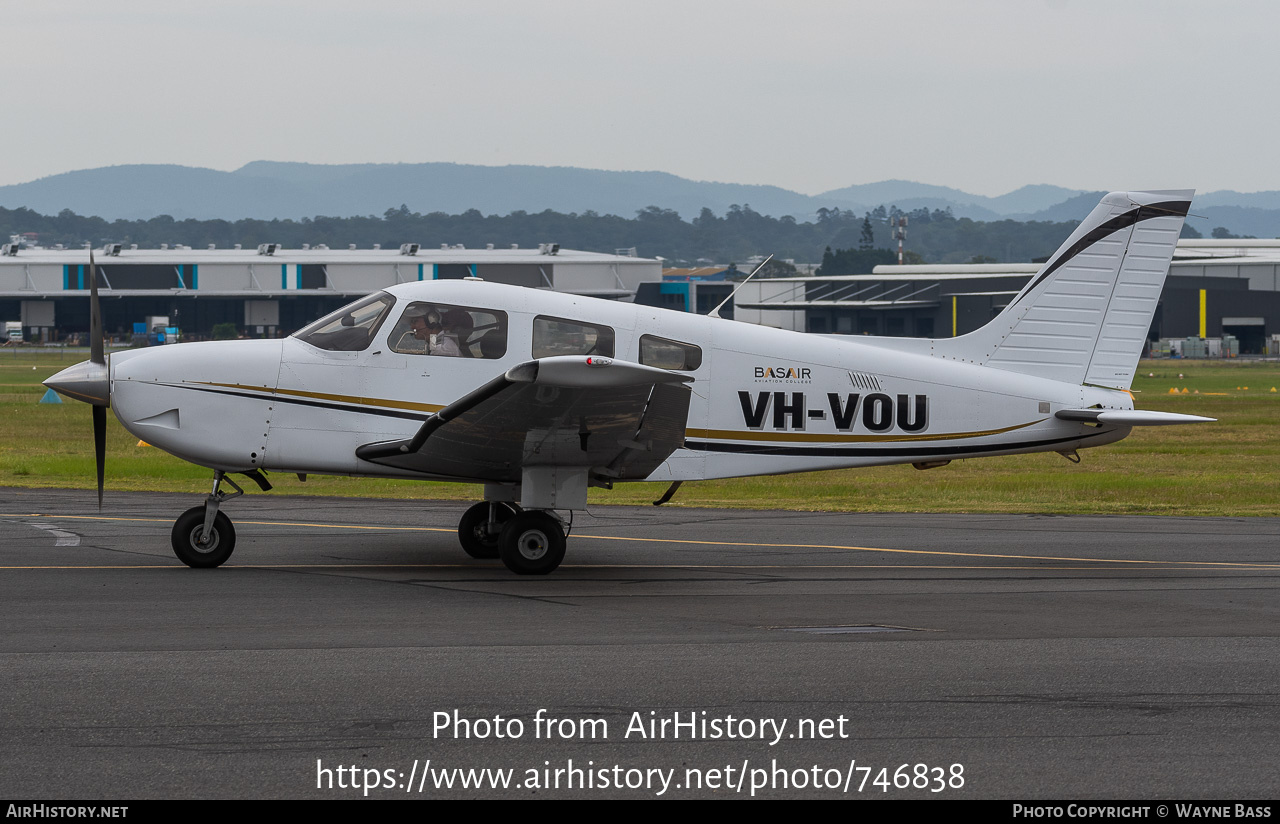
(716, 311)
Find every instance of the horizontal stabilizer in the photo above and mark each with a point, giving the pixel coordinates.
(1129, 417)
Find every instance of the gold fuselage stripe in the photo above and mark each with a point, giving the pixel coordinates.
(325, 396)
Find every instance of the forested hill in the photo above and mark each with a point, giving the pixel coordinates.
(266, 190)
(935, 237)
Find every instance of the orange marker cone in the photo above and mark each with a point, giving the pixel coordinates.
(143, 443)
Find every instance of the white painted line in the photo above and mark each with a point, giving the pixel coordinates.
(64, 538)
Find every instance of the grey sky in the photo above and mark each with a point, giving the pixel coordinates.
(983, 95)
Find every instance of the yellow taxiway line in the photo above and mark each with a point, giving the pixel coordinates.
(752, 544)
(672, 567)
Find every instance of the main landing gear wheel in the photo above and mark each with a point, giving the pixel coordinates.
(532, 543)
(478, 537)
(191, 545)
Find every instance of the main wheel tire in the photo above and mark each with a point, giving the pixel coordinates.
(188, 530)
(477, 541)
(532, 543)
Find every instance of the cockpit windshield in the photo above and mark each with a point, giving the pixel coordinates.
(351, 328)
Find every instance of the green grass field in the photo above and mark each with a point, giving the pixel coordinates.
(1231, 467)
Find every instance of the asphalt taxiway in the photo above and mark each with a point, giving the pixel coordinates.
(1051, 657)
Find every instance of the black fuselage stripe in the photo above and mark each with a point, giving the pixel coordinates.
(362, 410)
(1115, 224)
(872, 451)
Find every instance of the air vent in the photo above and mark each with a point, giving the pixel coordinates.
(864, 381)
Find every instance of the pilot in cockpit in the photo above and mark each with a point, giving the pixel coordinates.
(427, 334)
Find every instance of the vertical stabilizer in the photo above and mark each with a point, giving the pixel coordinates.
(1084, 317)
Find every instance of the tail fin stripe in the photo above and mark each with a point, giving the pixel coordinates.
(1084, 317)
(1115, 224)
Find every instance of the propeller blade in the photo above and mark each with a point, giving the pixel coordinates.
(95, 316)
(100, 445)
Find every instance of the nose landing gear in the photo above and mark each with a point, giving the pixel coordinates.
(199, 546)
(202, 536)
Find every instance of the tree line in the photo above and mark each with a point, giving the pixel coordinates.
(932, 236)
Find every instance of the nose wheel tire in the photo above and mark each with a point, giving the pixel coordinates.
(532, 543)
(190, 544)
(478, 538)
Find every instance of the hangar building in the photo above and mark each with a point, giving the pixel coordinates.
(270, 290)
(1214, 287)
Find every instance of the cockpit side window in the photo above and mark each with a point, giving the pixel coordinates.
(557, 336)
(351, 328)
(669, 354)
(447, 330)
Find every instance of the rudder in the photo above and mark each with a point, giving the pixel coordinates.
(1084, 317)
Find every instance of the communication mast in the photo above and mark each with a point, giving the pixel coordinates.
(899, 227)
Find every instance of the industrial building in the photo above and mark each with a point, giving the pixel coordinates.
(1214, 288)
(269, 290)
(689, 290)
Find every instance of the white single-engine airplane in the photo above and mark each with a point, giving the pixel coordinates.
(539, 395)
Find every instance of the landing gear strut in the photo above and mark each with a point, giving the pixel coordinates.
(529, 542)
(532, 543)
(202, 536)
(480, 529)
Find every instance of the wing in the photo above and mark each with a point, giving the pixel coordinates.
(620, 420)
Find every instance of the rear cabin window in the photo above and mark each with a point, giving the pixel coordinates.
(446, 330)
(351, 328)
(557, 336)
(669, 354)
